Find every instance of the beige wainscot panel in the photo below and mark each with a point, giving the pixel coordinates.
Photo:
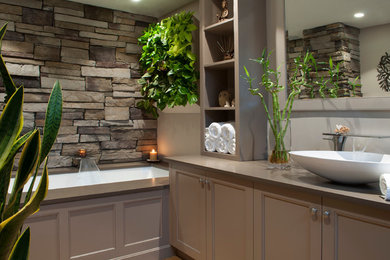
(354, 232)
(45, 233)
(130, 226)
(287, 224)
(188, 213)
(229, 218)
(92, 232)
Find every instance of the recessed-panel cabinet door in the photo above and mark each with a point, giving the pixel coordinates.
(188, 214)
(229, 220)
(348, 235)
(287, 227)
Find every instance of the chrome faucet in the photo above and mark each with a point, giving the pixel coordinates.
(338, 141)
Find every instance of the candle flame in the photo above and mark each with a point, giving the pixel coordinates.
(153, 151)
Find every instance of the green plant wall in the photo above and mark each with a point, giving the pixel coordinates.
(168, 63)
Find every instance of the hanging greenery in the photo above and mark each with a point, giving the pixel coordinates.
(168, 64)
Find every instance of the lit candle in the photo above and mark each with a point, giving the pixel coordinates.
(82, 153)
(153, 155)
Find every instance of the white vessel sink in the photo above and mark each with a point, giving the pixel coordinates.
(344, 167)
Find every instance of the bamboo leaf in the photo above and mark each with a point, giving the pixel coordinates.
(21, 248)
(10, 227)
(11, 123)
(52, 121)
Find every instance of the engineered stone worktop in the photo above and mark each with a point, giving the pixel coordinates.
(296, 178)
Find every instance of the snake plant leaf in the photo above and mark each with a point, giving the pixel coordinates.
(5, 172)
(9, 85)
(52, 121)
(2, 33)
(11, 123)
(27, 163)
(20, 250)
(10, 227)
(5, 176)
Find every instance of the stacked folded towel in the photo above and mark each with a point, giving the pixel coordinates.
(384, 183)
(221, 137)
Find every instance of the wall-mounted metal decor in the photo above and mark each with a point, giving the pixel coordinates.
(384, 72)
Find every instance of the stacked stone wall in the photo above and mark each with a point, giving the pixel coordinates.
(93, 52)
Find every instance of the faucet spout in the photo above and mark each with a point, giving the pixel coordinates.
(338, 141)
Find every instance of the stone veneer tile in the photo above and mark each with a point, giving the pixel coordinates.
(78, 20)
(105, 73)
(94, 138)
(75, 44)
(83, 96)
(42, 52)
(99, 36)
(107, 43)
(120, 155)
(11, 9)
(43, 40)
(117, 113)
(74, 53)
(98, 13)
(38, 17)
(65, 83)
(99, 53)
(68, 11)
(23, 70)
(99, 84)
(84, 105)
(74, 26)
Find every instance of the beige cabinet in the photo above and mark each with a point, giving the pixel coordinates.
(299, 226)
(287, 225)
(352, 232)
(211, 216)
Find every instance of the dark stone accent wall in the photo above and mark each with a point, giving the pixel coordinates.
(339, 41)
(93, 52)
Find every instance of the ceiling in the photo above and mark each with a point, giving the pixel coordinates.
(306, 14)
(155, 8)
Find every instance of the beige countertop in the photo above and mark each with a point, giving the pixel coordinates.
(295, 177)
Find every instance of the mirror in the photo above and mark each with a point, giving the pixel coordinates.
(354, 32)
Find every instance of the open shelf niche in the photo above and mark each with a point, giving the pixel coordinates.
(218, 73)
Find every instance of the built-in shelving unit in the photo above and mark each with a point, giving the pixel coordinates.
(245, 29)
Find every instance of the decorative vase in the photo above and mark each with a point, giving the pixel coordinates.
(279, 145)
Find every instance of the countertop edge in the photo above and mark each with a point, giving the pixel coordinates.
(318, 186)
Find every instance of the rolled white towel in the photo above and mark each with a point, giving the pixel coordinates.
(231, 146)
(221, 145)
(210, 144)
(384, 183)
(206, 132)
(215, 130)
(228, 132)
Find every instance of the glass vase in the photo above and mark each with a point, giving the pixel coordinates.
(279, 144)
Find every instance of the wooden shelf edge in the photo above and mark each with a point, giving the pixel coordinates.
(220, 26)
(219, 108)
(222, 155)
(221, 64)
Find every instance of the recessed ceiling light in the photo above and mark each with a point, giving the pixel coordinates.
(358, 15)
(135, 0)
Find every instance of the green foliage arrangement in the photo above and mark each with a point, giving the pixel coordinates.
(307, 67)
(168, 63)
(278, 118)
(14, 244)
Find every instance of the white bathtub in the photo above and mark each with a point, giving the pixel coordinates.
(67, 185)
